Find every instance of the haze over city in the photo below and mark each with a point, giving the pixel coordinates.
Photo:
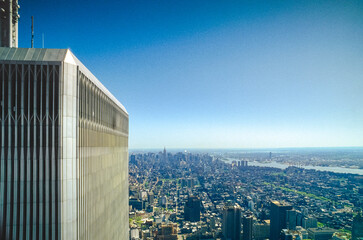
(219, 74)
(181, 120)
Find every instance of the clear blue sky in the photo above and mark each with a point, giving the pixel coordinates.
(219, 74)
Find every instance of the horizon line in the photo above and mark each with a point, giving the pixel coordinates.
(234, 148)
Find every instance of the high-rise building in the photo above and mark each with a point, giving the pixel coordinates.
(192, 209)
(357, 230)
(299, 218)
(134, 233)
(250, 204)
(190, 182)
(137, 204)
(64, 150)
(164, 154)
(142, 195)
(9, 23)
(247, 223)
(261, 230)
(231, 226)
(278, 218)
(163, 202)
(291, 219)
(132, 159)
(303, 231)
(309, 222)
(212, 223)
(287, 234)
(187, 182)
(305, 211)
(150, 198)
(243, 163)
(168, 232)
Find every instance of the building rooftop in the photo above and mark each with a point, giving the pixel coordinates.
(280, 203)
(322, 230)
(22, 55)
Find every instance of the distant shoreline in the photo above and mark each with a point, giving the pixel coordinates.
(317, 168)
(223, 150)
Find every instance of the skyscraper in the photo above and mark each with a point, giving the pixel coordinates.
(278, 218)
(309, 222)
(64, 150)
(9, 23)
(261, 230)
(150, 198)
(192, 209)
(291, 219)
(357, 230)
(231, 226)
(247, 223)
(164, 154)
(168, 232)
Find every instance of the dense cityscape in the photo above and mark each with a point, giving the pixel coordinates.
(280, 79)
(185, 195)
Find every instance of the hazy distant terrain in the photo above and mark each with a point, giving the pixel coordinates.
(326, 157)
(347, 157)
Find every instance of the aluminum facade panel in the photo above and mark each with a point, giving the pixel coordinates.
(64, 148)
(29, 151)
(53, 55)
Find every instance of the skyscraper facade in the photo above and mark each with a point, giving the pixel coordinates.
(278, 218)
(309, 222)
(291, 219)
(64, 147)
(192, 209)
(247, 223)
(357, 230)
(9, 23)
(231, 226)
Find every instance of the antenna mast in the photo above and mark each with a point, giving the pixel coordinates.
(32, 43)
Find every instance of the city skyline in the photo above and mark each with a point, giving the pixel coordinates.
(244, 120)
(240, 200)
(219, 75)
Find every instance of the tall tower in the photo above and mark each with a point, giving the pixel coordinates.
(247, 222)
(357, 231)
(9, 23)
(231, 226)
(192, 209)
(63, 150)
(164, 154)
(291, 219)
(278, 218)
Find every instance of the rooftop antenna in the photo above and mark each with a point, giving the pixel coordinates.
(32, 44)
(42, 40)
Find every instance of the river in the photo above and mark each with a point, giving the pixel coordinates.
(319, 168)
